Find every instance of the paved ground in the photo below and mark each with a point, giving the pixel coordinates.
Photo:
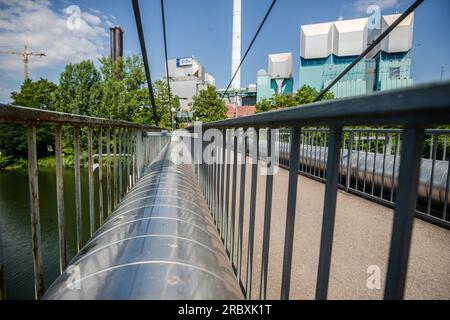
(361, 239)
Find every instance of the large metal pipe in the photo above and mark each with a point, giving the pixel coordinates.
(160, 243)
(440, 173)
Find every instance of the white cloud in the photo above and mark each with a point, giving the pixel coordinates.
(35, 24)
(360, 6)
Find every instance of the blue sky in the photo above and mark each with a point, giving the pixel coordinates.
(197, 27)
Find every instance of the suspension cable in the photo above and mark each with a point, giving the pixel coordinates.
(165, 51)
(137, 16)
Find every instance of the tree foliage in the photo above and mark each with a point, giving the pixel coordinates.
(208, 106)
(115, 91)
(32, 94)
(304, 95)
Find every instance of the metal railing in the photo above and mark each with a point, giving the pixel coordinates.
(127, 149)
(369, 166)
(412, 109)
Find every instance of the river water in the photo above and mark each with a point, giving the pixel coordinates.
(15, 229)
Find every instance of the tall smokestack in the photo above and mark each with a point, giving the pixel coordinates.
(236, 45)
(116, 36)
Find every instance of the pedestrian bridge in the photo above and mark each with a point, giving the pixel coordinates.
(337, 220)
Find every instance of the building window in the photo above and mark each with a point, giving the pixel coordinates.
(394, 73)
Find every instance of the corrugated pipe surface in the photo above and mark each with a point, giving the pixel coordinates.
(160, 243)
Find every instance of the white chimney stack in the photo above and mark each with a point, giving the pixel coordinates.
(236, 45)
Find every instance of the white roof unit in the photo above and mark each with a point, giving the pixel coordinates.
(316, 40)
(400, 39)
(280, 65)
(251, 87)
(350, 37)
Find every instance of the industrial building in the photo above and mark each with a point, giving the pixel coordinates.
(187, 77)
(278, 79)
(326, 49)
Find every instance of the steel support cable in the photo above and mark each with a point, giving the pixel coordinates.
(137, 16)
(165, 54)
(369, 48)
(249, 47)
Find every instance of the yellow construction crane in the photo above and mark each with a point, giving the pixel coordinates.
(25, 55)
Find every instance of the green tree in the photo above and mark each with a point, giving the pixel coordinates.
(124, 94)
(304, 95)
(165, 104)
(208, 106)
(79, 90)
(264, 105)
(33, 94)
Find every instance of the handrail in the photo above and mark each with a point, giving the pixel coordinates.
(19, 114)
(426, 103)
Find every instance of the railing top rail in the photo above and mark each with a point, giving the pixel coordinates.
(17, 114)
(422, 104)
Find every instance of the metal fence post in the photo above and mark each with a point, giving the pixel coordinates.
(349, 161)
(35, 215)
(91, 184)
(78, 206)
(290, 212)
(60, 199)
(100, 175)
(329, 213)
(405, 207)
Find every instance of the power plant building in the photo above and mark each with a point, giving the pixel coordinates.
(326, 49)
(187, 77)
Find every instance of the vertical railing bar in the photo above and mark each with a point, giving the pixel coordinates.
(290, 213)
(374, 163)
(444, 152)
(394, 167)
(251, 224)
(365, 161)
(241, 203)
(91, 184)
(233, 196)
(116, 200)
(227, 186)
(267, 218)
(329, 214)
(60, 198)
(405, 208)
(315, 152)
(310, 144)
(349, 161)
(127, 157)
(386, 140)
(100, 176)
(77, 172)
(358, 146)
(222, 183)
(35, 215)
(433, 165)
(431, 147)
(108, 170)
(120, 164)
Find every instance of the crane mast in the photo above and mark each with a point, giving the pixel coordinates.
(26, 59)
